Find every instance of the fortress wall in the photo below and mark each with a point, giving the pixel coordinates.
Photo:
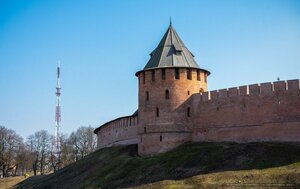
(259, 112)
(121, 131)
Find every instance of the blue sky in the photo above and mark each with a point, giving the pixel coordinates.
(101, 44)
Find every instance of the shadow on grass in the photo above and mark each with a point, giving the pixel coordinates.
(119, 167)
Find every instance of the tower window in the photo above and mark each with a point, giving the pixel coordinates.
(145, 130)
(153, 75)
(198, 75)
(189, 112)
(163, 74)
(189, 74)
(147, 96)
(167, 94)
(144, 78)
(160, 138)
(157, 112)
(205, 78)
(177, 75)
(188, 92)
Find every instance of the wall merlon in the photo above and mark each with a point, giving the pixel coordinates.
(266, 88)
(254, 89)
(206, 96)
(213, 95)
(244, 90)
(234, 91)
(280, 86)
(293, 85)
(223, 93)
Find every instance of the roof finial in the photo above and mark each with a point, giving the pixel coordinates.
(170, 21)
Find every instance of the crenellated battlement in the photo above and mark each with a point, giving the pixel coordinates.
(258, 112)
(122, 130)
(269, 88)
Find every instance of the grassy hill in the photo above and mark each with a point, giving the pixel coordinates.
(192, 165)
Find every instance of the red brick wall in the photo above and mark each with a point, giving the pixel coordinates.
(122, 131)
(172, 125)
(265, 112)
(259, 112)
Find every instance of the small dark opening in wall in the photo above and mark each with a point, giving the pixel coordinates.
(147, 96)
(167, 94)
(153, 75)
(188, 111)
(189, 74)
(160, 138)
(163, 74)
(144, 78)
(201, 91)
(157, 112)
(145, 130)
(198, 75)
(177, 75)
(205, 78)
(188, 92)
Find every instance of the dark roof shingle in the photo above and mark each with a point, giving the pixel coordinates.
(171, 52)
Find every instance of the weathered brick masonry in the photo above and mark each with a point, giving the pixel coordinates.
(163, 114)
(175, 106)
(265, 112)
(121, 131)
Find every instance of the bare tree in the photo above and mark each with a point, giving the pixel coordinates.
(36, 154)
(10, 144)
(45, 144)
(59, 159)
(40, 147)
(33, 148)
(23, 159)
(74, 143)
(66, 151)
(83, 142)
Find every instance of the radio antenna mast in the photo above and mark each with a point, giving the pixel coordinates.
(57, 133)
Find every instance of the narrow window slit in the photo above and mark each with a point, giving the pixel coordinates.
(163, 74)
(177, 75)
(167, 94)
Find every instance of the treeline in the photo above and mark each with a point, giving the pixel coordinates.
(35, 154)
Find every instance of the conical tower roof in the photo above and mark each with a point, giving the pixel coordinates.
(171, 52)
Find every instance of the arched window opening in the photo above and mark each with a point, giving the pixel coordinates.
(147, 96)
(157, 112)
(188, 92)
(201, 91)
(177, 75)
(189, 112)
(167, 94)
(160, 138)
(153, 75)
(163, 74)
(189, 74)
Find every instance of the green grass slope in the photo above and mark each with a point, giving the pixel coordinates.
(192, 165)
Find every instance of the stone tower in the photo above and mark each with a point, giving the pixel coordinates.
(166, 83)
